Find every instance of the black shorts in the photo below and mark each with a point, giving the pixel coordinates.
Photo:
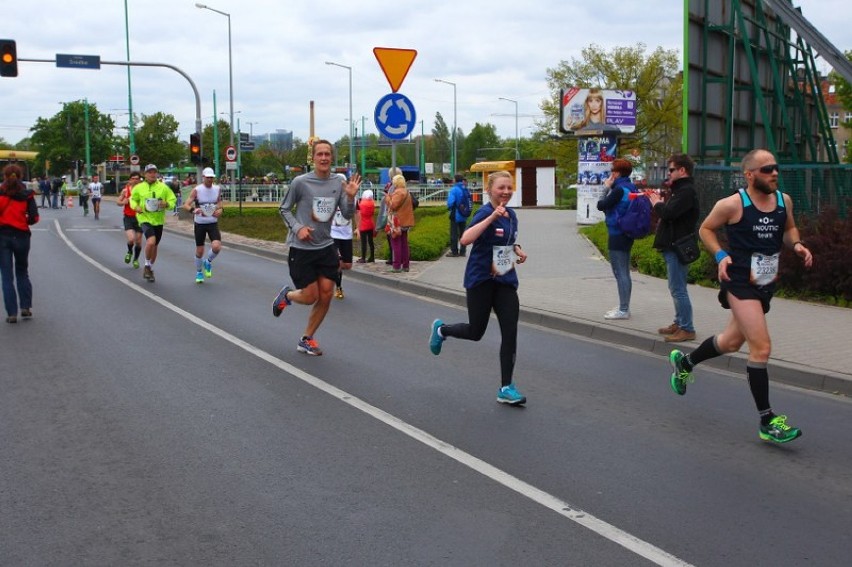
(132, 223)
(150, 230)
(306, 266)
(344, 249)
(202, 231)
(744, 291)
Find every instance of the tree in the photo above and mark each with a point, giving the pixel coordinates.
(157, 141)
(61, 139)
(843, 91)
(654, 77)
(479, 145)
(442, 145)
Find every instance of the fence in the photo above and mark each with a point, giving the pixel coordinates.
(426, 194)
(813, 187)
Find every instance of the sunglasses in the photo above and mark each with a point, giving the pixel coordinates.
(672, 169)
(767, 169)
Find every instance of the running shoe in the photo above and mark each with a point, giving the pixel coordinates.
(151, 276)
(26, 313)
(435, 339)
(199, 277)
(338, 294)
(147, 273)
(778, 431)
(281, 302)
(680, 377)
(127, 258)
(509, 395)
(208, 269)
(309, 346)
(135, 264)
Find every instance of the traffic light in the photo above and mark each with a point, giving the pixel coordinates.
(8, 58)
(195, 148)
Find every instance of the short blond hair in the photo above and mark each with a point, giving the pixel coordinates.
(492, 177)
(398, 181)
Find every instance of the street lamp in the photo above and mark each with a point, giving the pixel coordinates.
(455, 117)
(351, 124)
(230, 65)
(517, 139)
(251, 129)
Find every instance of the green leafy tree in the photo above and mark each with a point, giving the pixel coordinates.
(654, 77)
(480, 145)
(843, 91)
(224, 134)
(61, 139)
(442, 144)
(157, 141)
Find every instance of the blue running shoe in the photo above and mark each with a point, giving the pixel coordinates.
(435, 338)
(199, 277)
(309, 346)
(281, 301)
(208, 269)
(509, 395)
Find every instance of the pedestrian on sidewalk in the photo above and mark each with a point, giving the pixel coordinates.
(400, 222)
(367, 226)
(459, 205)
(205, 203)
(678, 218)
(313, 260)
(614, 204)
(491, 282)
(758, 221)
(132, 230)
(150, 199)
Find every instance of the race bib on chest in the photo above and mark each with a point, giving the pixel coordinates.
(322, 208)
(502, 260)
(764, 269)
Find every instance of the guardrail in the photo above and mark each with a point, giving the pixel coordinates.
(257, 193)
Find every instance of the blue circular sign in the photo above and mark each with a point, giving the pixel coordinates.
(395, 116)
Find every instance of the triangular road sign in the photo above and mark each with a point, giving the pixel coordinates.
(395, 64)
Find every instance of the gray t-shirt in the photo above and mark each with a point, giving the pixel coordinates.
(315, 200)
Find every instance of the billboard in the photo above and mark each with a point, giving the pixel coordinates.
(597, 111)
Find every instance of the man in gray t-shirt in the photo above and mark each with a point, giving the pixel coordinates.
(308, 209)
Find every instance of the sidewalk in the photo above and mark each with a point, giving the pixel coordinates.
(567, 285)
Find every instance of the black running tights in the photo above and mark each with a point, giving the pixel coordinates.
(481, 299)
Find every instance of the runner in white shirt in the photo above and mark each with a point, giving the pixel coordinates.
(205, 202)
(96, 189)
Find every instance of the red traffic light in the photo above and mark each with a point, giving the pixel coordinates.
(8, 58)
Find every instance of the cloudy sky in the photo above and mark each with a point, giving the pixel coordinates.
(488, 48)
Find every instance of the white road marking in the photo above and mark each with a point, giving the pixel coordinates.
(561, 507)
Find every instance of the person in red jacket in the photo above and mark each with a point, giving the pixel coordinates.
(18, 210)
(367, 226)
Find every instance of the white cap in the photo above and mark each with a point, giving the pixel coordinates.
(151, 167)
(367, 194)
(208, 172)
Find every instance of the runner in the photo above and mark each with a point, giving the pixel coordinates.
(491, 282)
(96, 189)
(341, 232)
(151, 198)
(131, 224)
(205, 202)
(313, 261)
(758, 221)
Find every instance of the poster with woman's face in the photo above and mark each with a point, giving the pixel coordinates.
(593, 110)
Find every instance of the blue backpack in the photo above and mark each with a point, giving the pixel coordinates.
(636, 220)
(464, 206)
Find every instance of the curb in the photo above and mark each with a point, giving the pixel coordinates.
(783, 372)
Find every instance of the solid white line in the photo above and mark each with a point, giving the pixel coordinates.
(561, 507)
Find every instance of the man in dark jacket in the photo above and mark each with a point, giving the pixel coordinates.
(678, 218)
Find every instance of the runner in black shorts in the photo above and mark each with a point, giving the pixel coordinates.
(758, 221)
(205, 202)
(131, 224)
(307, 209)
(341, 232)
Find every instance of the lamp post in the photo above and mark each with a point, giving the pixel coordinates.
(517, 139)
(251, 129)
(455, 117)
(351, 124)
(230, 66)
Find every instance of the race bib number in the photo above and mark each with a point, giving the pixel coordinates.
(764, 269)
(207, 209)
(323, 208)
(502, 260)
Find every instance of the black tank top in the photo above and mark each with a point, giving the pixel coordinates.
(755, 243)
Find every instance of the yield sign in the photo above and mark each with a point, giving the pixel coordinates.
(395, 64)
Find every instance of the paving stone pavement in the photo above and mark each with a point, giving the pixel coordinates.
(567, 285)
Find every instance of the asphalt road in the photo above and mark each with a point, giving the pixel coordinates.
(175, 423)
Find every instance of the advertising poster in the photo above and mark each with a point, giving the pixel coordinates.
(595, 154)
(597, 111)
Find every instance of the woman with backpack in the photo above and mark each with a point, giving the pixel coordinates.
(614, 204)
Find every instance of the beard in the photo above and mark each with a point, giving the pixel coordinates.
(765, 187)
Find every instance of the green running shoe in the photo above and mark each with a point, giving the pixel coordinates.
(208, 269)
(127, 258)
(778, 431)
(680, 377)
